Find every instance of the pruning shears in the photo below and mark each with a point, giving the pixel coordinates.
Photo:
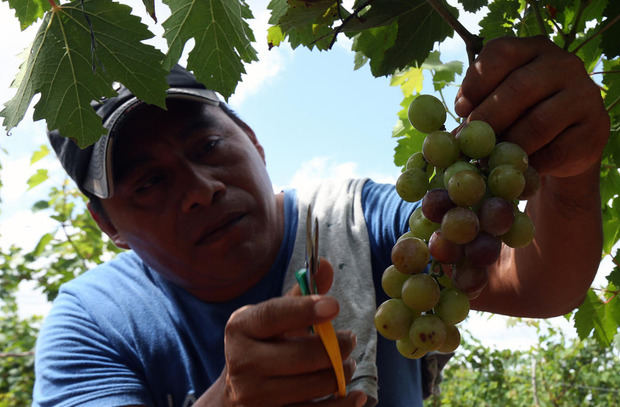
(307, 283)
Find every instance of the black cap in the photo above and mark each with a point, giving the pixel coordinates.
(91, 168)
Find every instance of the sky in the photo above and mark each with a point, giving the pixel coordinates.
(316, 117)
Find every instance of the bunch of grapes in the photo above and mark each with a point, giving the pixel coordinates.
(470, 186)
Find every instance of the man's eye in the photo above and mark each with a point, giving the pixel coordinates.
(208, 146)
(149, 183)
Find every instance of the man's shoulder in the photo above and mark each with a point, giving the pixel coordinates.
(125, 268)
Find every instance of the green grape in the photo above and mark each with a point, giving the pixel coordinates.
(426, 113)
(506, 182)
(408, 349)
(410, 255)
(521, 232)
(466, 188)
(453, 340)
(393, 318)
(392, 281)
(420, 226)
(453, 306)
(406, 235)
(457, 167)
(416, 160)
(507, 153)
(460, 225)
(427, 332)
(412, 184)
(420, 292)
(476, 139)
(440, 149)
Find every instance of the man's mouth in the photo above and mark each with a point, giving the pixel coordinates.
(219, 228)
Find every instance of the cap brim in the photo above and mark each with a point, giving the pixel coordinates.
(99, 179)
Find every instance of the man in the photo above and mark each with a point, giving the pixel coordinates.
(194, 311)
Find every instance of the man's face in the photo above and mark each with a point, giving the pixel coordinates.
(193, 199)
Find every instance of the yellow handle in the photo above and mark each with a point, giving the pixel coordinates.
(326, 331)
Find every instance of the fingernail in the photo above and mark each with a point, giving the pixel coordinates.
(326, 307)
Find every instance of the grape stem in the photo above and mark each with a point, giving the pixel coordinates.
(473, 43)
(54, 5)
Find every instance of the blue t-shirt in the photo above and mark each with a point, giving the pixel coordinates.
(120, 334)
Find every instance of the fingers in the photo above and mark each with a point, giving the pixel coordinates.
(538, 96)
(324, 279)
(353, 399)
(280, 315)
(286, 390)
(495, 62)
(290, 356)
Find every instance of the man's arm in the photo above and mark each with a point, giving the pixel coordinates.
(540, 97)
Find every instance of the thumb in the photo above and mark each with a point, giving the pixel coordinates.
(324, 279)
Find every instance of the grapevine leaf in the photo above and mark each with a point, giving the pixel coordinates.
(29, 11)
(62, 67)
(40, 205)
(274, 36)
(614, 276)
(150, 8)
(500, 19)
(372, 43)
(301, 13)
(472, 5)
(37, 178)
(610, 41)
(418, 30)
(42, 152)
(442, 73)
(611, 225)
(278, 10)
(409, 139)
(590, 53)
(594, 315)
(222, 40)
(410, 81)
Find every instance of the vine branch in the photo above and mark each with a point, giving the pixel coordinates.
(599, 32)
(573, 32)
(539, 20)
(473, 43)
(354, 14)
(16, 354)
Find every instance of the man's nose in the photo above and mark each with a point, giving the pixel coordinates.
(202, 188)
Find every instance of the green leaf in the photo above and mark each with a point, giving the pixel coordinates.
(278, 10)
(40, 205)
(29, 11)
(222, 40)
(611, 226)
(42, 152)
(418, 30)
(274, 36)
(410, 81)
(301, 13)
(472, 5)
(500, 19)
(595, 315)
(614, 276)
(610, 41)
(150, 8)
(372, 43)
(45, 239)
(37, 178)
(409, 139)
(62, 69)
(442, 73)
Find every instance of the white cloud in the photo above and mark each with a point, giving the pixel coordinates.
(320, 169)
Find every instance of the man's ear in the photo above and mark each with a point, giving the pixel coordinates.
(107, 227)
